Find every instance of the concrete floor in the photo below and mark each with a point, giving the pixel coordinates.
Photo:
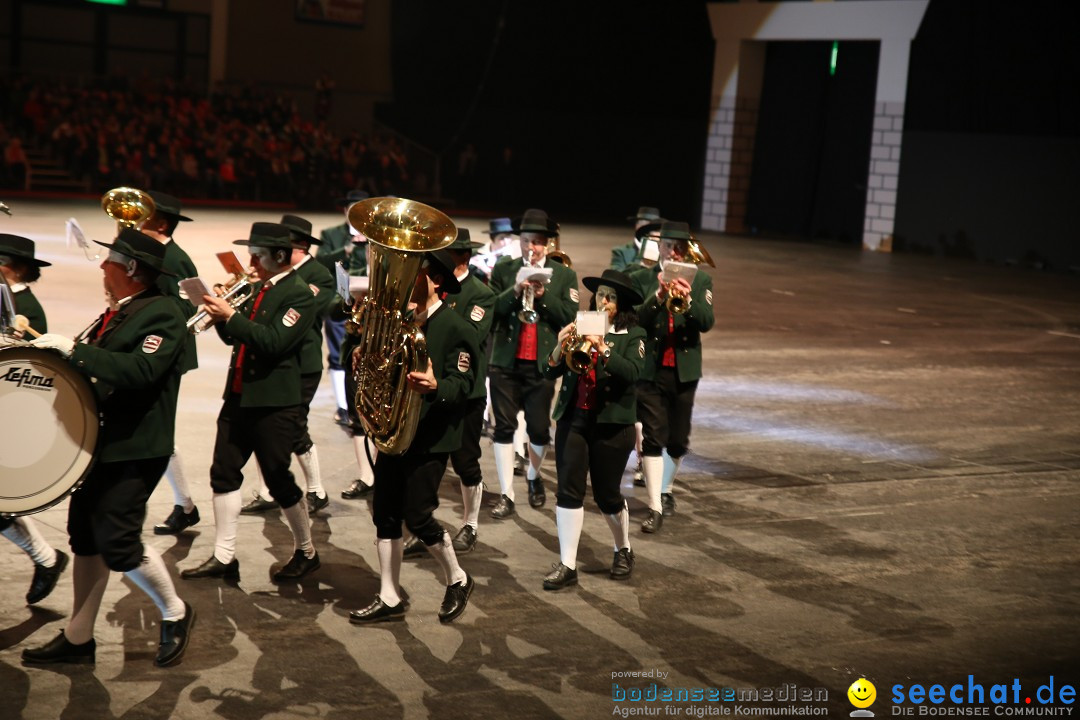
(884, 483)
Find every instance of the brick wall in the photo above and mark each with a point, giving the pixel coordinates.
(884, 176)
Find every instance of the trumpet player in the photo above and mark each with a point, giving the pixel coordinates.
(672, 367)
(161, 226)
(263, 396)
(528, 316)
(594, 430)
(625, 257)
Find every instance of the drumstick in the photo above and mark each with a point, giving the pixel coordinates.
(22, 324)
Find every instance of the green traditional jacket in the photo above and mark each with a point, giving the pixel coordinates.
(28, 306)
(136, 365)
(334, 241)
(271, 368)
(179, 263)
(323, 288)
(615, 377)
(624, 257)
(474, 304)
(454, 353)
(557, 308)
(688, 327)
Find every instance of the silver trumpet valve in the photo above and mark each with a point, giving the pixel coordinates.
(236, 290)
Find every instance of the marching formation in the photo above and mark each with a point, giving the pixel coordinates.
(430, 344)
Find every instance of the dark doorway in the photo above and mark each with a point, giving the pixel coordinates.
(812, 147)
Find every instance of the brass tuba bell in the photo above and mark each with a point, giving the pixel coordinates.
(128, 206)
(399, 232)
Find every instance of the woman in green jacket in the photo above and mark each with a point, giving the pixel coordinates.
(594, 430)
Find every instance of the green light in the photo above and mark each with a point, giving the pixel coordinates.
(109, 2)
(832, 57)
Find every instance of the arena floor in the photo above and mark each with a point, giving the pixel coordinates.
(884, 483)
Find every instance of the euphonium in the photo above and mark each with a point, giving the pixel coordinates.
(128, 206)
(399, 232)
(237, 290)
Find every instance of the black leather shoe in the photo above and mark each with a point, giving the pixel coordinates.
(297, 567)
(174, 638)
(519, 465)
(357, 490)
(560, 577)
(258, 505)
(455, 599)
(537, 497)
(639, 475)
(623, 564)
(378, 611)
(214, 568)
(45, 578)
(414, 547)
(341, 417)
(465, 540)
(59, 650)
(316, 503)
(667, 503)
(178, 521)
(653, 523)
(503, 509)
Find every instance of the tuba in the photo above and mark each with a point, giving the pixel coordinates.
(391, 346)
(128, 206)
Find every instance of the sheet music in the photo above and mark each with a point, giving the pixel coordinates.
(528, 272)
(194, 289)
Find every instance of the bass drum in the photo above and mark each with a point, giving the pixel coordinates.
(48, 428)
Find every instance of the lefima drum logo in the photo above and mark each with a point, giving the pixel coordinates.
(25, 377)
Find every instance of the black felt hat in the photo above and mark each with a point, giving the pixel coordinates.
(353, 196)
(442, 263)
(670, 230)
(535, 221)
(624, 287)
(498, 226)
(463, 241)
(646, 213)
(139, 246)
(301, 229)
(20, 247)
(270, 235)
(165, 204)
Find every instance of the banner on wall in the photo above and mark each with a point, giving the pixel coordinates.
(338, 12)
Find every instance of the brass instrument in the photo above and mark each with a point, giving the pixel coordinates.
(128, 206)
(399, 232)
(555, 253)
(578, 352)
(678, 303)
(236, 290)
(527, 314)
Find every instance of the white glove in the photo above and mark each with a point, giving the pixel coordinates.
(55, 342)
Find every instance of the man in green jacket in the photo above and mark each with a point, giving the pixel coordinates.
(625, 257)
(672, 368)
(407, 485)
(161, 226)
(528, 317)
(134, 354)
(261, 412)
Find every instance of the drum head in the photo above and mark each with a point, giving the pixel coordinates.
(50, 429)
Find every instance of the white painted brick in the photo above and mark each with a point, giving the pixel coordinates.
(894, 109)
(711, 222)
(882, 123)
(886, 167)
(875, 139)
(713, 195)
(881, 226)
(891, 138)
(877, 152)
(714, 142)
(895, 154)
(873, 210)
(891, 182)
(721, 181)
(871, 240)
(898, 123)
(714, 168)
(885, 197)
(879, 108)
(888, 212)
(875, 181)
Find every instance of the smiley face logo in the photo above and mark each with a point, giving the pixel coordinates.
(862, 693)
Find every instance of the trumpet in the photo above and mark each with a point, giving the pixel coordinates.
(236, 290)
(578, 352)
(677, 302)
(528, 314)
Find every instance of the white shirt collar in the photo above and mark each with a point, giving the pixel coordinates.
(422, 317)
(277, 278)
(619, 332)
(19, 287)
(302, 261)
(462, 276)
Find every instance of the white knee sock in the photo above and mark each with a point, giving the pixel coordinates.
(262, 490)
(671, 469)
(504, 468)
(300, 524)
(174, 473)
(226, 518)
(337, 379)
(520, 436)
(620, 527)
(390, 570)
(637, 440)
(536, 458)
(90, 577)
(470, 499)
(367, 472)
(653, 466)
(569, 524)
(153, 579)
(24, 533)
(443, 551)
(309, 464)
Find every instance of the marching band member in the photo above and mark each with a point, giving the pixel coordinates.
(672, 369)
(322, 286)
(625, 257)
(501, 244)
(263, 395)
(594, 433)
(516, 381)
(178, 264)
(134, 353)
(20, 268)
(407, 485)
